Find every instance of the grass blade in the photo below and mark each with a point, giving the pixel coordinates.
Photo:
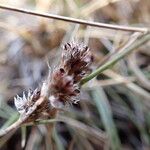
(106, 115)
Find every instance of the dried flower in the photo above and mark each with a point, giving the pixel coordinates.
(75, 64)
(76, 60)
(61, 88)
(24, 103)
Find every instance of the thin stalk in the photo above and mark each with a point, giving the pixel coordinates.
(115, 59)
(74, 20)
(78, 125)
(14, 126)
(41, 122)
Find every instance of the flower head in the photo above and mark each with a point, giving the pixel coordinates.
(24, 103)
(63, 85)
(76, 60)
(75, 64)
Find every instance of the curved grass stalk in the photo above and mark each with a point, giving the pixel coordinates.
(74, 20)
(115, 59)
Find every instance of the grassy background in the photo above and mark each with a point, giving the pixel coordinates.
(114, 109)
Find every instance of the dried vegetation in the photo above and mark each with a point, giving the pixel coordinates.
(45, 62)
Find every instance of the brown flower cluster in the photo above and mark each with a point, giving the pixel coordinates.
(76, 60)
(63, 85)
(75, 64)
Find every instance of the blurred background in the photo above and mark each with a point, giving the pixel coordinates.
(114, 109)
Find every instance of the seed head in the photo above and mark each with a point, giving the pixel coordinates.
(62, 86)
(75, 64)
(24, 103)
(76, 60)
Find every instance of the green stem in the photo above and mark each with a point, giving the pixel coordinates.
(11, 120)
(116, 58)
(41, 122)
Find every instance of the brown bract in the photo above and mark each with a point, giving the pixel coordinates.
(76, 60)
(63, 87)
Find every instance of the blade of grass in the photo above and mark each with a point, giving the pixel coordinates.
(11, 120)
(5, 110)
(23, 136)
(59, 144)
(96, 133)
(116, 58)
(8, 109)
(136, 119)
(106, 115)
(92, 6)
(139, 111)
(3, 114)
(74, 20)
(132, 86)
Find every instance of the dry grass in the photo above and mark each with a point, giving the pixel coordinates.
(113, 112)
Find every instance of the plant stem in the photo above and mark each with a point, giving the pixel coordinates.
(41, 122)
(74, 20)
(115, 59)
